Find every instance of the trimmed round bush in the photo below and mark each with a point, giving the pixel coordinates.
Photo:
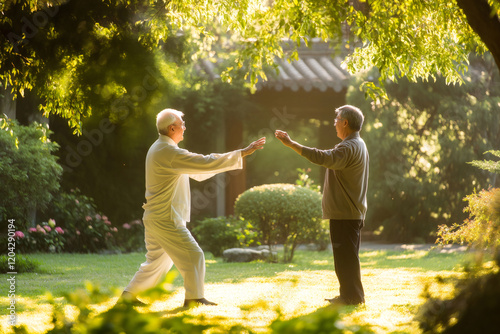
(284, 213)
(218, 234)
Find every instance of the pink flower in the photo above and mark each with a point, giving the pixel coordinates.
(114, 229)
(136, 222)
(104, 218)
(40, 229)
(32, 229)
(77, 201)
(98, 216)
(77, 232)
(59, 230)
(52, 223)
(88, 218)
(108, 235)
(47, 228)
(126, 226)
(107, 222)
(19, 234)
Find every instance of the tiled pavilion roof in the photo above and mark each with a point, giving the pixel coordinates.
(316, 69)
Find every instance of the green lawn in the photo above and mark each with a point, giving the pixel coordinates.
(393, 283)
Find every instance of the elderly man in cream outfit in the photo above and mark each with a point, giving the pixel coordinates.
(167, 208)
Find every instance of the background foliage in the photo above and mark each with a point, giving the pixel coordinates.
(472, 307)
(122, 61)
(420, 141)
(489, 165)
(84, 54)
(29, 172)
(482, 229)
(93, 61)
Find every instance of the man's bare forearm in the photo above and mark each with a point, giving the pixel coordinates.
(285, 139)
(296, 147)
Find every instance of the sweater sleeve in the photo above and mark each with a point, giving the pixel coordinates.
(336, 158)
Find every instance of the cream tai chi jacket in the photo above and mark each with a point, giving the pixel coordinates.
(168, 169)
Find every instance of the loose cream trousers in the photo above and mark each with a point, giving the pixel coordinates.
(169, 243)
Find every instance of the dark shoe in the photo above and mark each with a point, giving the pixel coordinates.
(336, 301)
(129, 298)
(197, 302)
(342, 302)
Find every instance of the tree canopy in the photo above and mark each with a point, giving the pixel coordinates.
(77, 55)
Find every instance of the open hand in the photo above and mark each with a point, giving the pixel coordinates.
(283, 137)
(256, 145)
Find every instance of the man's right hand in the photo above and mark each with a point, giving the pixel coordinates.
(287, 141)
(256, 145)
(283, 137)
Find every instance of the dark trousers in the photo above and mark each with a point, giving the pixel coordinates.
(346, 236)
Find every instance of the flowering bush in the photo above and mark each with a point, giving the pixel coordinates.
(131, 236)
(91, 235)
(87, 230)
(46, 237)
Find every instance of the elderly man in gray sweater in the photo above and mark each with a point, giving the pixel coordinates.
(344, 197)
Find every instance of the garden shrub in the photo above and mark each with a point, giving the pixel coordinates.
(474, 306)
(218, 234)
(305, 181)
(472, 309)
(495, 207)
(46, 237)
(86, 229)
(482, 228)
(488, 165)
(29, 172)
(283, 213)
(130, 236)
(23, 264)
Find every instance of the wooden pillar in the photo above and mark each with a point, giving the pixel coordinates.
(236, 182)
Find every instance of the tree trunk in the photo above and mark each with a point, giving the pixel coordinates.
(479, 17)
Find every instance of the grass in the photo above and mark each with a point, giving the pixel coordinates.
(248, 293)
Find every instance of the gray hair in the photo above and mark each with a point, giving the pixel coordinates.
(165, 118)
(353, 115)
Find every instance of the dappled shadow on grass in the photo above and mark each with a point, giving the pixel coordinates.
(420, 260)
(415, 260)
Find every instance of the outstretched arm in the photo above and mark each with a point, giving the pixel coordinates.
(285, 139)
(256, 145)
